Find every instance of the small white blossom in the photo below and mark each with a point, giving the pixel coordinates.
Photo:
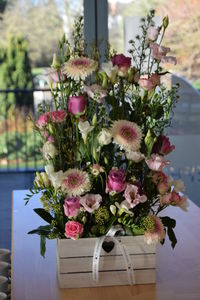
(49, 150)
(85, 128)
(104, 137)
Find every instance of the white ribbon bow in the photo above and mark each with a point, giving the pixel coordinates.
(97, 251)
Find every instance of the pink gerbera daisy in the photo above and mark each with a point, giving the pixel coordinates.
(127, 135)
(79, 67)
(157, 233)
(76, 182)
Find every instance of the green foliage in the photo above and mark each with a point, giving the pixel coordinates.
(15, 73)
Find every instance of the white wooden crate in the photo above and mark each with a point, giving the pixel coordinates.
(74, 263)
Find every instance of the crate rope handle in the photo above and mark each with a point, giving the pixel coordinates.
(97, 251)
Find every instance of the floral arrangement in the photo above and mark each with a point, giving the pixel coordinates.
(103, 143)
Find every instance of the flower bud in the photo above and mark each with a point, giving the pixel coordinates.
(94, 120)
(113, 209)
(55, 62)
(165, 22)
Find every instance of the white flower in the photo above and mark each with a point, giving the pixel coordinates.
(104, 137)
(113, 209)
(55, 177)
(85, 128)
(110, 70)
(178, 185)
(124, 206)
(49, 150)
(135, 156)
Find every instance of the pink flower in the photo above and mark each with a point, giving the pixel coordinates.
(132, 195)
(123, 62)
(175, 199)
(91, 202)
(149, 83)
(73, 230)
(163, 146)
(163, 187)
(152, 33)
(71, 206)
(96, 92)
(43, 119)
(156, 162)
(56, 76)
(51, 139)
(160, 52)
(77, 105)
(116, 181)
(157, 234)
(161, 181)
(58, 116)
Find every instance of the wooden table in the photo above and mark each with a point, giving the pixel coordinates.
(34, 278)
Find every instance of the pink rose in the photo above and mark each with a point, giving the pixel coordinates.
(160, 52)
(152, 33)
(91, 202)
(73, 230)
(163, 146)
(156, 162)
(58, 116)
(71, 206)
(149, 83)
(123, 62)
(77, 105)
(57, 76)
(116, 181)
(132, 195)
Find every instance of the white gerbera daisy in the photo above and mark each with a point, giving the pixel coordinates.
(76, 182)
(127, 135)
(79, 67)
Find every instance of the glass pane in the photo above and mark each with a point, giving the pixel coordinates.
(182, 37)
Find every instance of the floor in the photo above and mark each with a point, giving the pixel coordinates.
(8, 183)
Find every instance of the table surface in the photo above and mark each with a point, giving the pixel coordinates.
(34, 278)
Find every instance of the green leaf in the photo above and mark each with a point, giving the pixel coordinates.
(42, 230)
(42, 245)
(44, 214)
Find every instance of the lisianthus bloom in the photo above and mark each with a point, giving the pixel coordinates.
(42, 121)
(123, 62)
(96, 92)
(79, 67)
(116, 181)
(156, 233)
(55, 177)
(73, 230)
(91, 202)
(178, 185)
(161, 181)
(56, 76)
(85, 128)
(126, 134)
(124, 206)
(160, 52)
(135, 156)
(156, 162)
(163, 146)
(77, 105)
(49, 150)
(110, 70)
(56, 116)
(152, 33)
(42, 180)
(104, 137)
(149, 83)
(71, 206)
(76, 182)
(132, 195)
(96, 169)
(175, 199)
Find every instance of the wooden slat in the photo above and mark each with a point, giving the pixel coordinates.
(105, 279)
(71, 248)
(84, 264)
